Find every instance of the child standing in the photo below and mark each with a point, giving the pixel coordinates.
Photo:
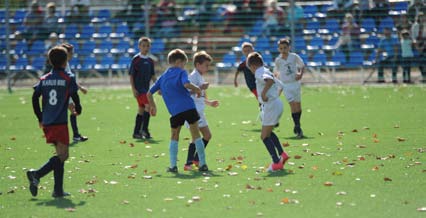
(246, 48)
(141, 73)
(407, 55)
(290, 68)
(174, 85)
(272, 109)
(55, 88)
(77, 137)
(202, 62)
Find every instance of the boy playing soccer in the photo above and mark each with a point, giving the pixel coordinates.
(174, 85)
(55, 88)
(202, 62)
(141, 73)
(290, 68)
(71, 106)
(272, 109)
(246, 48)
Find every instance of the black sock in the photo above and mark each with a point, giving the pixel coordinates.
(145, 121)
(296, 118)
(73, 121)
(47, 167)
(58, 174)
(271, 149)
(191, 153)
(138, 124)
(196, 154)
(277, 143)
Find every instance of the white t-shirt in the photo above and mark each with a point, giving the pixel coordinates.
(261, 74)
(198, 80)
(288, 67)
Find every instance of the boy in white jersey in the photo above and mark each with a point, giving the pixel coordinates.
(202, 62)
(272, 109)
(290, 68)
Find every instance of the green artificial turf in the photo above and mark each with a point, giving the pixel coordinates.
(364, 155)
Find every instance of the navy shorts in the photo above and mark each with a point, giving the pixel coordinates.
(190, 116)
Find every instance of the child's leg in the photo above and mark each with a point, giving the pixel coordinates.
(296, 113)
(173, 147)
(73, 120)
(277, 143)
(145, 121)
(267, 140)
(138, 121)
(199, 145)
(62, 152)
(207, 135)
(191, 153)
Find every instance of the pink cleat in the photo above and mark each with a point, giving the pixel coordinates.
(284, 158)
(187, 167)
(275, 166)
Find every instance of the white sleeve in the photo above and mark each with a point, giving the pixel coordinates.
(299, 62)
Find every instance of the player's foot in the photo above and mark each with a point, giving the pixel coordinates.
(394, 81)
(196, 163)
(284, 158)
(80, 138)
(172, 169)
(298, 131)
(203, 168)
(60, 195)
(187, 167)
(146, 134)
(34, 181)
(276, 166)
(137, 136)
(277, 125)
(380, 81)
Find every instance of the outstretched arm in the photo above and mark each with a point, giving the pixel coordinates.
(36, 106)
(236, 78)
(77, 104)
(152, 106)
(194, 89)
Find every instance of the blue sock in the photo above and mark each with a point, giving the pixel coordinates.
(199, 144)
(277, 143)
(173, 150)
(271, 149)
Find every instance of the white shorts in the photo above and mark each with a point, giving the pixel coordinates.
(271, 112)
(202, 122)
(292, 91)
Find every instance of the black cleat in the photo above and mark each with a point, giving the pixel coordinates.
(80, 138)
(172, 169)
(146, 134)
(32, 178)
(137, 136)
(298, 131)
(60, 195)
(203, 168)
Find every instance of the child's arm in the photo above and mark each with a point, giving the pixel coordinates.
(152, 106)
(194, 89)
(211, 103)
(82, 88)
(236, 78)
(36, 107)
(132, 83)
(299, 74)
(268, 84)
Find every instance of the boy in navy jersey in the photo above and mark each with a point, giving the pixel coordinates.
(246, 48)
(174, 85)
(55, 88)
(141, 73)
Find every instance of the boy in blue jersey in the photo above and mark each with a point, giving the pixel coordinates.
(55, 88)
(174, 85)
(141, 73)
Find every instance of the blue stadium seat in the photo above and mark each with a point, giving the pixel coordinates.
(229, 60)
(316, 43)
(37, 48)
(157, 46)
(87, 48)
(122, 63)
(21, 48)
(70, 31)
(243, 39)
(20, 64)
(256, 29)
(356, 59)
(312, 25)
(19, 16)
(103, 48)
(104, 14)
(399, 8)
(122, 28)
(38, 63)
(386, 22)
(310, 10)
(2, 15)
(338, 59)
(88, 63)
(331, 26)
(103, 32)
(75, 63)
(318, 60)
(262, 43)
(120, 48)
(371, 42)
(368, 25)
(299, 44)
(267, 58)
(87, 31)
(105, 63)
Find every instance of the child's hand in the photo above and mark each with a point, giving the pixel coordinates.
(264, 97)
(40, 125)
(197, 91)
(83, 89)
(299, 76)
(204, 86)
(153, 110)
(214, 103)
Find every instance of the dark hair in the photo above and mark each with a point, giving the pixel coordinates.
(68, 47)
(144, 39)
(201, 56)
(285, 41)
(58, 56)
(176, 54)
(254, 59)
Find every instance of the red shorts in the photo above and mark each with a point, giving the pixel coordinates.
(142, 100)
(57, 133)
(254, 91)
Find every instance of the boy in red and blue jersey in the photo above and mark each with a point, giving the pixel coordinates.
(174, 85)
(55, 88)
(141, 73)
(246, 48)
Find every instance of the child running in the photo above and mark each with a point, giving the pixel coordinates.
(246, 48)
(290, 68)
(174, 85)
(272, 109)
(55, 88)
(141, 73)
(202, 62)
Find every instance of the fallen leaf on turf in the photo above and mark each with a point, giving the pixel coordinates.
(396, 126)
(311, 176)
(400, 139)
(123, 142)
(387, 179)
(328, 183)
(13, 138)
(314, 167)
(286, 144)
(147, 177)
(361, 158)
(244, 167)
(11, 177)
(361, 146)
(376, 141)
(375, 168)
(269, 190)
(125, 202)
(320, 133)
(229, 167)
(341, 193)
(168, 199)
(232, 173)
(70, 209)
(285, 201)
(248, 186)
(132, 145)
(113, 182)
(421, 209)
(354, 130)
(297, 157)
(91, 182)
(196, 198)
(375, 135)
(337, 173)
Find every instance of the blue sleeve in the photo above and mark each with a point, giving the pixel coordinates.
(156, 86)
(132, 68)
(73, 86)
(184, 77)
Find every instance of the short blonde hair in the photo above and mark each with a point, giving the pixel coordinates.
(201, 57)
(175, 55)
(254, 59)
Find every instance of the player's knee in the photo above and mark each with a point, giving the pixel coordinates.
(63, 157)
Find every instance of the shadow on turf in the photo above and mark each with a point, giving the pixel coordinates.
(58, 203)
(192, 175)
(280, 173)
